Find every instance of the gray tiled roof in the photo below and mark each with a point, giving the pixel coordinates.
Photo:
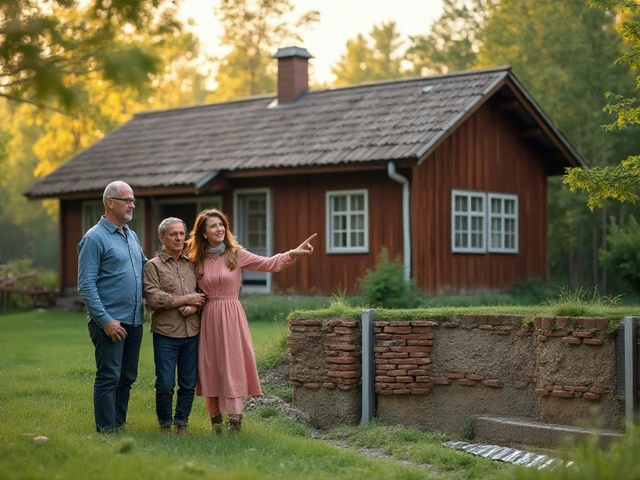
(392, 120)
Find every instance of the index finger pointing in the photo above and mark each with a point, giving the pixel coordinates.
(310, 238)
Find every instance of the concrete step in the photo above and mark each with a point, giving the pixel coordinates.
(526, 432)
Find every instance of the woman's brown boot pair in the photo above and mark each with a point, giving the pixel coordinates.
(216, 424)
(235, 423)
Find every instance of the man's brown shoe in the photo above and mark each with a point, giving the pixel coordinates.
(181, 430)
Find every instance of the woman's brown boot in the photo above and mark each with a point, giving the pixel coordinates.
(235, 423)
(216, 424)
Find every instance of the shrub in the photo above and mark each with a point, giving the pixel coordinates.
(385, 286)
(623, 256)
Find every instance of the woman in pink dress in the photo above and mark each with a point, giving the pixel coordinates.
(226, 363)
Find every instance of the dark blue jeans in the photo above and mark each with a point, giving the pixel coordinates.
(169, 354)
(116, 370)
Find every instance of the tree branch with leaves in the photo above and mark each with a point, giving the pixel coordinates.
(620, 182)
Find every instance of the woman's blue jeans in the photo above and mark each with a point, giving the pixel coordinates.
(116, 370)
(170, 354)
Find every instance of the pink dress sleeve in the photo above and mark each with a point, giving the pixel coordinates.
(256, 263)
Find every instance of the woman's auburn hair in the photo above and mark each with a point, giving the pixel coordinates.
(197, 244)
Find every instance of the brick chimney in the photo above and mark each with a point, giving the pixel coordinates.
(293, 73)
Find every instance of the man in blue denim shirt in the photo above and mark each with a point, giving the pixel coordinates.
(110, 261)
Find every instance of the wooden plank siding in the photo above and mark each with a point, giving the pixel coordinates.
(299, 209)
(485, 154)
(71, 225)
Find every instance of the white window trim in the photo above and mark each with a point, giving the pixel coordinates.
(329, 223)
(249, 191)
(502, 197)
(469, 194)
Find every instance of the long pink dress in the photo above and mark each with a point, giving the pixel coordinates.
(226, 362)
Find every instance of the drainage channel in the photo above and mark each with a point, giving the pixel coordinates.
(508, 455)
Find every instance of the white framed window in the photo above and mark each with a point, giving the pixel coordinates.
(503, 223)
(348, 221)
(253, 227)
(92, 210)
(468, 221)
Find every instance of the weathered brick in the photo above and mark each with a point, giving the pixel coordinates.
(422, 329)
(393, 355)
(591, 396)
(542, 338)
(596, 390)
(398, 329)
(523, 333)
(584, 334)
(382, 361)
(543, 392)
(602, 323)
(496, 320)
(424, 323)
(386, 366)
(420, 354)
(381, 349)
(392, 343)
(421, 361)
(593, 341)
(549, 387)
(416, 336)
(557, 333)
(419, 371)
(454, 375)
(384, 391)
(441, 381)
(469, 319)
(346, 387)
(312, 386)
(302, 328)
(384, 378)
(473, 376)
(588, 323)
(346, 368)
(295, 383)
(343, 374)
(344, 330)
(383, 336)
(576, 389)
(423, 379)
(380, 324)
(486, 327)
(561, 393)
(396, 373)
(329, 385)
(571, 340)
(342, 348)
(401, 391)
(404, 379)
(305, 322)
(426, 343)
(467, 382)
(494, 383)
(561, 322)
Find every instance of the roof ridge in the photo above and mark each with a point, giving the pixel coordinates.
(462, 73)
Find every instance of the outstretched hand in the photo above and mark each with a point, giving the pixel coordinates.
(305, 248)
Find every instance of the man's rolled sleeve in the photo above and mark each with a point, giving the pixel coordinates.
(156, 298)
(88, 268)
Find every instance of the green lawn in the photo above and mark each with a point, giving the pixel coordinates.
(46, 374)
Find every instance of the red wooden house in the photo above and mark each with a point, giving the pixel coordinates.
(448, 171)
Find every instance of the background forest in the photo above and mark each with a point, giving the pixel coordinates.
(563, 51)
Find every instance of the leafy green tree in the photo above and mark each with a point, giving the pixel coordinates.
(368, 59)
(623, 255)
(619, 182)
(44, 45)
(563, 53)
(253, 29)
(453, 41)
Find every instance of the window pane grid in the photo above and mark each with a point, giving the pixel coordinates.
(348, 221)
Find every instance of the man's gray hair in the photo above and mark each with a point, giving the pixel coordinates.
(164, 224)
(111, 191)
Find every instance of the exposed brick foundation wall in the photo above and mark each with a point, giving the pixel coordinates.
(539, 370)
